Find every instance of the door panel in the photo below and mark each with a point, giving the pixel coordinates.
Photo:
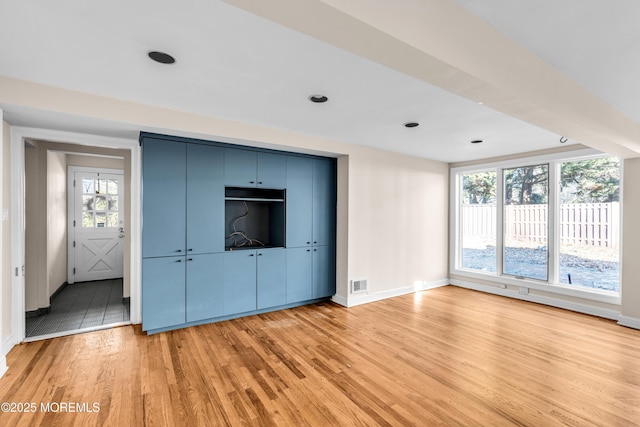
(97, 231)
(163, 200)
(239, 281)
(272, 170)
(324, 202)
(272, 278)
(324, 273)
(205, 286)
(299, 201)
(240, 167)
(299, 275)
(205, 199)
(163, 292)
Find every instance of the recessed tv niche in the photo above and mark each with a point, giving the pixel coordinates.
(254, 218)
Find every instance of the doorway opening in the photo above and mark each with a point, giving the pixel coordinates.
(76, 217)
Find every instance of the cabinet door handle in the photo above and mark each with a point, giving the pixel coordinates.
(308, 250)
(259, 254)
(179, 250)
(308, 243)
(252, 182)
(250, 254)
(189, 259)
(178, 260)
(189, 250)
(259, 182)
(315, 243)
(315, 250)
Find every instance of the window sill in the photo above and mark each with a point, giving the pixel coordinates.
(606, 297)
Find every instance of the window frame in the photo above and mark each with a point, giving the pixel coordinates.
(552, 285)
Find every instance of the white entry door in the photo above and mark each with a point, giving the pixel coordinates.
(96, 229)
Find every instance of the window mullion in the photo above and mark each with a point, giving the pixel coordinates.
(553, 222)
(499, 221)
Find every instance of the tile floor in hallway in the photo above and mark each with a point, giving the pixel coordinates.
(82, 305)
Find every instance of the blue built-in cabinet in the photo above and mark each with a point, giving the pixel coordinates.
(192, 191)
(246, 168)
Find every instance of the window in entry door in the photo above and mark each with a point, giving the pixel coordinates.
(100, 207)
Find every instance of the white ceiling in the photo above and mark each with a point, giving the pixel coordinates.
(235, 65)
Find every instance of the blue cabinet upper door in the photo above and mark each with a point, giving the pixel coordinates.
(163, 200)
(299, 199)
(299, 275)
(163, 292)
(324, 273)
(324, 202)
(272, 277)
(205, 286)
(240, 167)
(205, 199)
(272, 170)
(239, 281)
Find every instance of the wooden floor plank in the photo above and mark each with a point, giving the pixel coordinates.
(448, 356)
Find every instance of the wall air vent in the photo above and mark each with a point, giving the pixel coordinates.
(358, 286)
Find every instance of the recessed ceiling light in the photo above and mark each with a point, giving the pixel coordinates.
(477, 141)
(411, 124)
(318, 98)
(161, 57)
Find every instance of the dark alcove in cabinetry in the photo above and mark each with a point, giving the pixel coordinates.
(254, 218)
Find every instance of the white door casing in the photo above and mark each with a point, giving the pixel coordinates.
(96, 224)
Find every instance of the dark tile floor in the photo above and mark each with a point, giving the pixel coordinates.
(82, 305)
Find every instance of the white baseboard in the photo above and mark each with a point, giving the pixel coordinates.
(358, 299)
(339, 299)
(3, 366)
(546, 300)
(7, 345)
(629, 322)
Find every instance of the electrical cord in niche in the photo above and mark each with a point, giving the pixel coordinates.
(236, 235)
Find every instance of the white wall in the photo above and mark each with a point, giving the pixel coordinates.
(56, 220)
(630, 291)
(5, 308)
(398, 216)
(35, 266)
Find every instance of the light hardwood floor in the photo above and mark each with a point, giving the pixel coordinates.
(447, 356)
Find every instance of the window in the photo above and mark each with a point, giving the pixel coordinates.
(553, 223)
(478, 219)
(525, 221)
(590, 223)
(99, 202)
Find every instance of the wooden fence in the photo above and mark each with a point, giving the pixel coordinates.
(594, 224)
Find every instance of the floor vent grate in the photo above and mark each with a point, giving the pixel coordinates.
(358, 286)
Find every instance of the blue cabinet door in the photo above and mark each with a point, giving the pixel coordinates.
(324, 202)
(240, 167)
(272, 170)
(299, 275)
(205, 286)
(299, 199)
(239, 281)
(163, 200)
(163, 292)
(272, 277)
(324, 272)
(205, 199)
